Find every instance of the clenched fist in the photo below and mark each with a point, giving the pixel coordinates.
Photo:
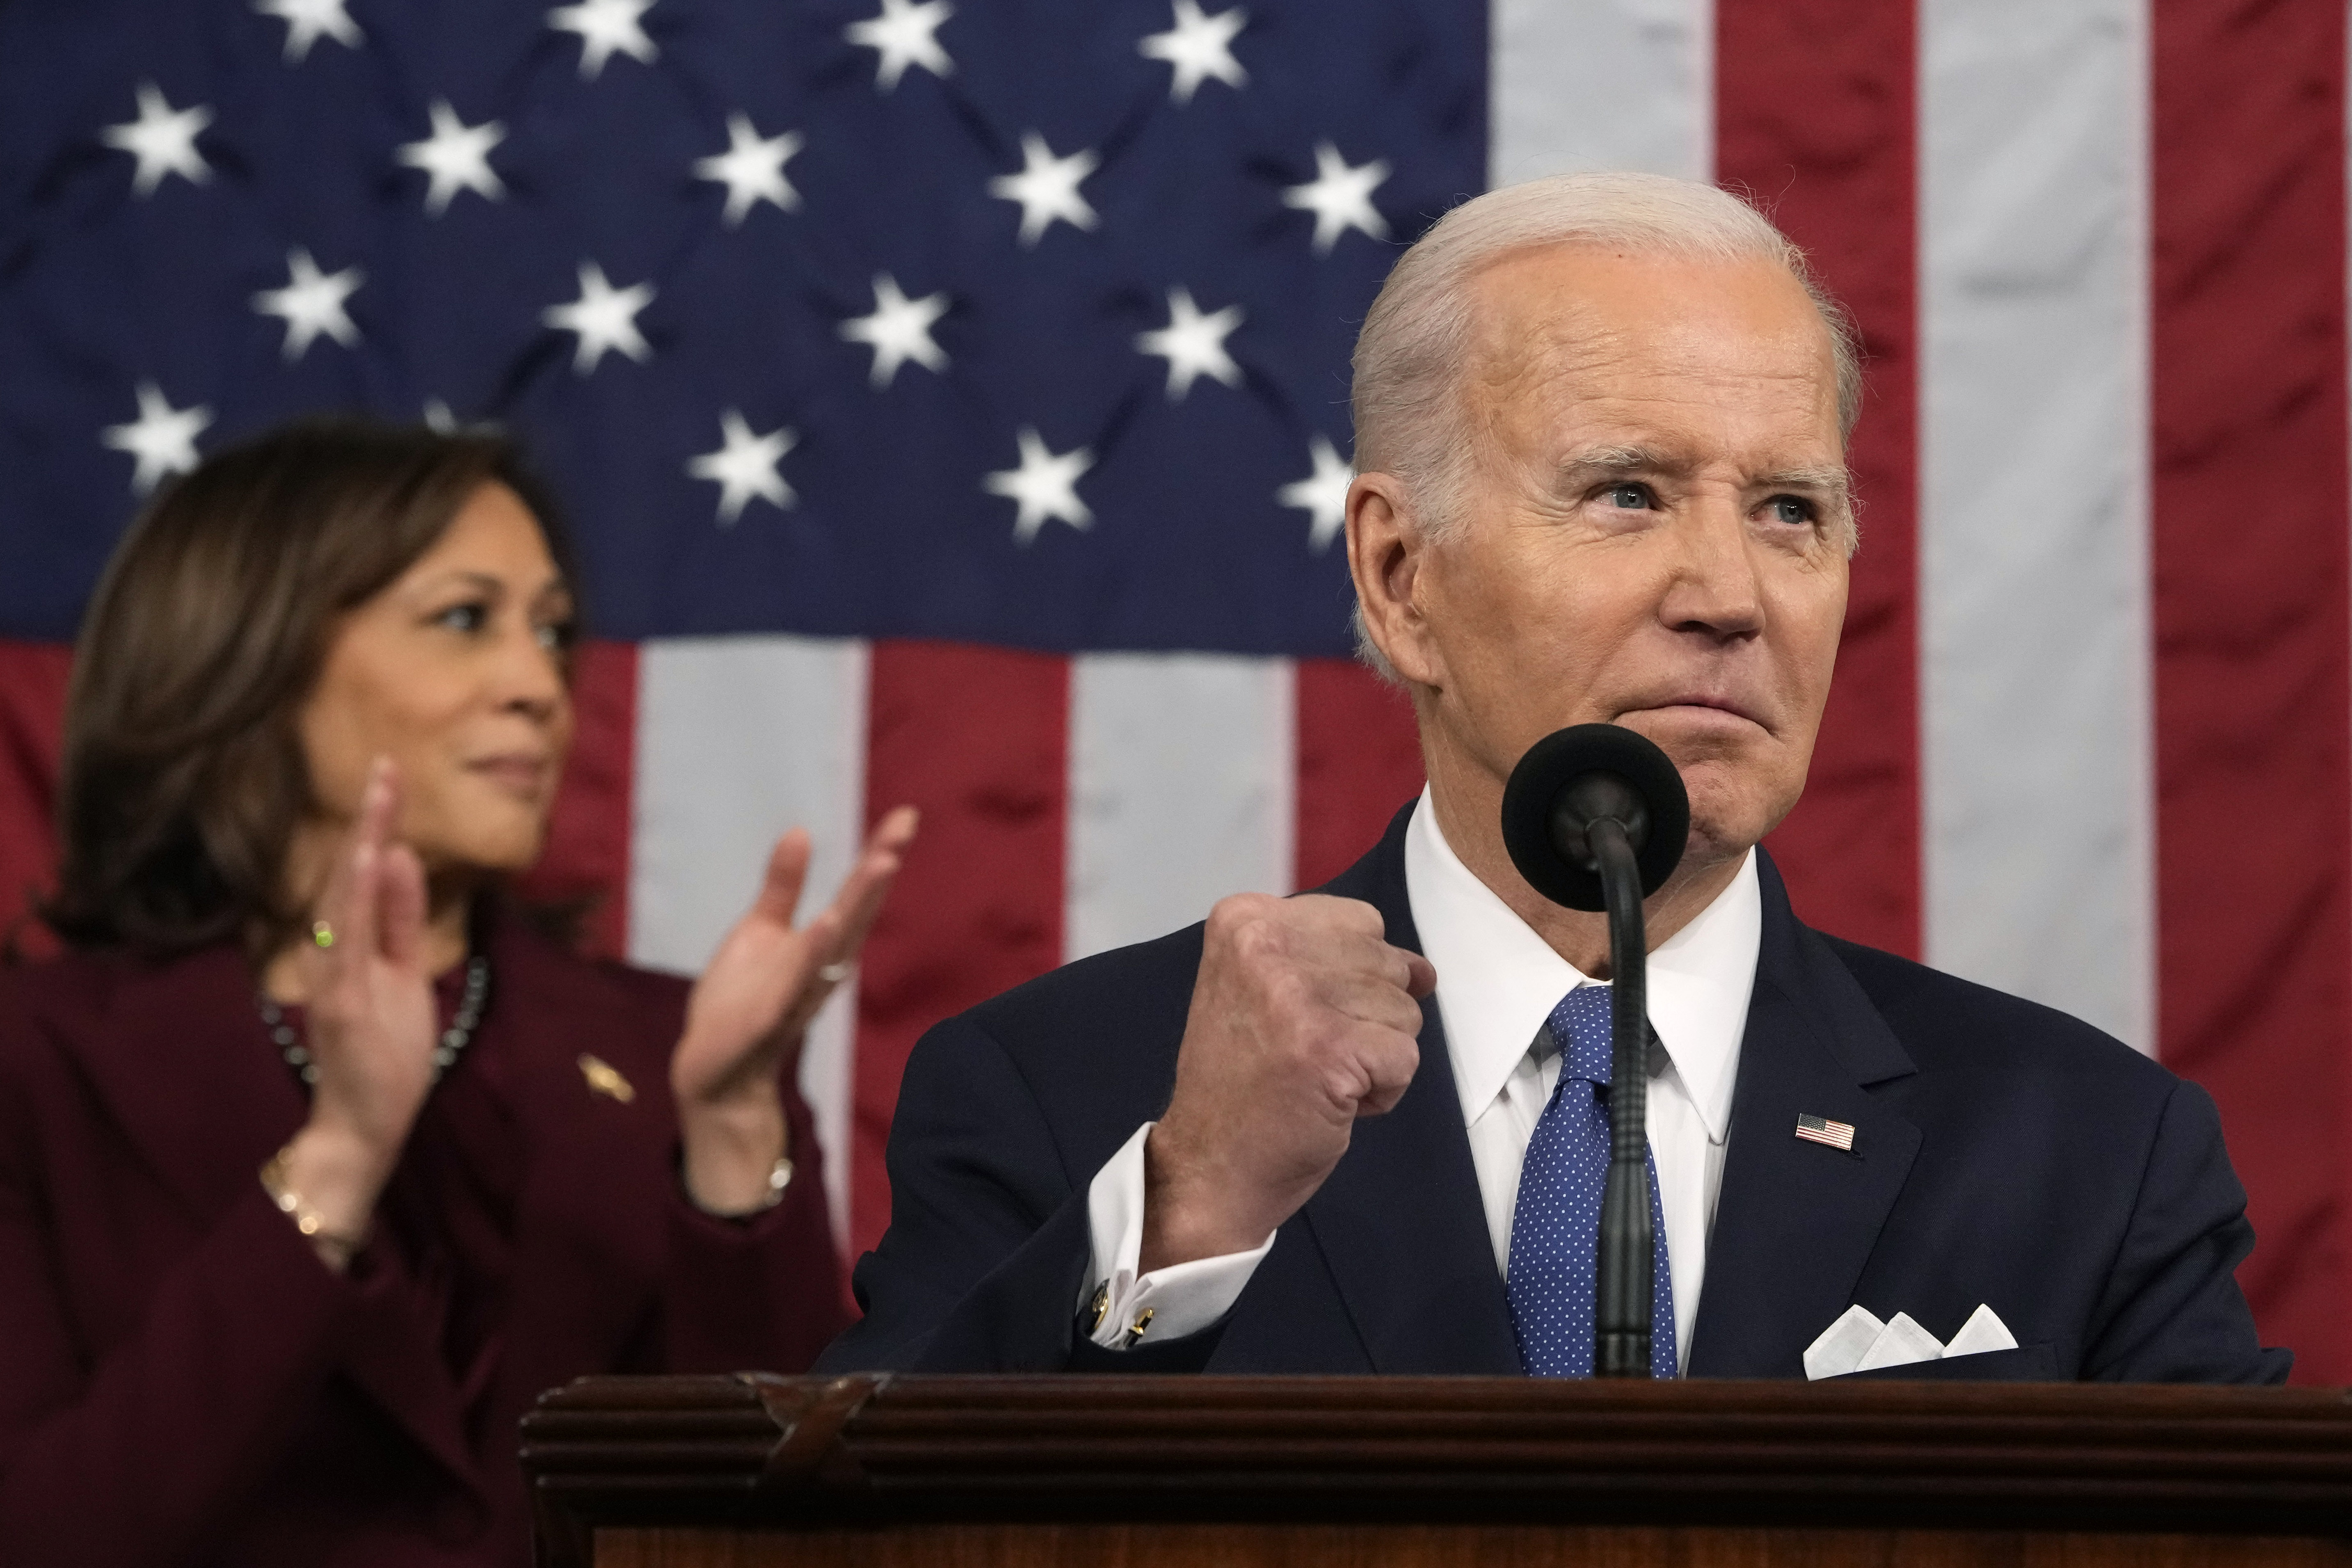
(1303, 1019)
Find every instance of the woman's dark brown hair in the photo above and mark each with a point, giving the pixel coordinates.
(184, 777)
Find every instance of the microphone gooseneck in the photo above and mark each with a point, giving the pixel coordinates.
(1596, 817)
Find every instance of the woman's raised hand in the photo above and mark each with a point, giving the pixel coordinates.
(748, 1013)
(369, 1000)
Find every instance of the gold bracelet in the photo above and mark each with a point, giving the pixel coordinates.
(306, 1219)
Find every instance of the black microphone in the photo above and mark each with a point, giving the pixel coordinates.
(1596, 817)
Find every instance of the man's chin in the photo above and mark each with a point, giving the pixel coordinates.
(1727, 819)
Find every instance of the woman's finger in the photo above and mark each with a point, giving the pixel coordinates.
(857, 906)
(350, 921)
(333, 906)
(400, 905)
(380, 803)
(787, 874)
(398, 909)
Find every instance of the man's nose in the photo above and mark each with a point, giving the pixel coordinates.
(1714, 589)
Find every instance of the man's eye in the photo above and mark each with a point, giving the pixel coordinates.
(1791, 510)
(1629, 498)
(463, 617)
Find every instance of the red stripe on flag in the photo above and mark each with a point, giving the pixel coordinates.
(586, 860)
(1359, 759)
(978, 738)
(1814, 119)
(32, 730)
(2253, 698)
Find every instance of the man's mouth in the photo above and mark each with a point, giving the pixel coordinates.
(1715, 702)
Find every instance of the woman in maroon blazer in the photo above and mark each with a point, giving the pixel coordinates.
(317, 1163)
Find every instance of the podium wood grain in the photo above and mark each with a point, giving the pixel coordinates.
(986, 1472)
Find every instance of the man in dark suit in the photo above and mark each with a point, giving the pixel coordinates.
(1601, 429)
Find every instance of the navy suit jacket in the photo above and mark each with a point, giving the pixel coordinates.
(2003, 1153)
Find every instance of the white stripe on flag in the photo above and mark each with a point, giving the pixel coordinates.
(1601, 84)
(1182, 788)
(738, 739)
(2034, 676)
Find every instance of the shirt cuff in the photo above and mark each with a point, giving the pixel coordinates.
(1166, 1303)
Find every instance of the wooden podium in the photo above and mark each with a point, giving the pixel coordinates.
(878, 1471)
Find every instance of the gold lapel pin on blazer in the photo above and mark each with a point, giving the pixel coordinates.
(604, 1079)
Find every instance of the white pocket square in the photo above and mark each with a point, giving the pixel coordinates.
(1858, 1341)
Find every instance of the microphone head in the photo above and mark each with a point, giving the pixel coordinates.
(1572, 778)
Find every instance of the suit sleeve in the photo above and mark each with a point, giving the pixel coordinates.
(988, 1244)
(2172, 1311)
(135, 1456)
(988, 1238)
(763, 1295)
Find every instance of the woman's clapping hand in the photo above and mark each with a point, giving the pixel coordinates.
(367, 989)
(750, 1012)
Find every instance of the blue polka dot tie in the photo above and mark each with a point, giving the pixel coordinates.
(1556, 1227)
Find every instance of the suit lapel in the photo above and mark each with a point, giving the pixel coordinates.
(182, 1058)
(1796, 1221)
(583, 1214)
(1400, 1222)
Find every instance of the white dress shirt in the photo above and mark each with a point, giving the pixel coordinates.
(1498, 982)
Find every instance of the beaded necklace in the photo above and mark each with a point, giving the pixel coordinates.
(472, 1004)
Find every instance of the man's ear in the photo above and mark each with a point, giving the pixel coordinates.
(1386, 551)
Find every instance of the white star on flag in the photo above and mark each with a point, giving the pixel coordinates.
(164, 140)
(1047, 188)
(903, 33)
(312, 303)
(457, 157)
(1341, 197)
(899, 329)
(1046, 486)
(606, 27)
(1197, 47)
(162, 438)
(604, 317)
(1322, 495)
(1193, 344)
(744, 467)
(308, 21)
(751, 169)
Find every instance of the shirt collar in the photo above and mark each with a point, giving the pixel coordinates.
(1497, 980)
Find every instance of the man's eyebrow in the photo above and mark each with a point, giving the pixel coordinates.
(1601, 462)
(1606, 462)
(1827, 478)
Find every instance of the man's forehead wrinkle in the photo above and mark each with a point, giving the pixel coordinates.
(1551, 375)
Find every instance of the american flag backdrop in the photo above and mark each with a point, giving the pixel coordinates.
(950, 398)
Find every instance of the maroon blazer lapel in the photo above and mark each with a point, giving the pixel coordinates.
(180, 1056)
(600, 1159)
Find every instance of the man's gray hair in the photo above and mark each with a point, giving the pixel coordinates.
(1410, 355)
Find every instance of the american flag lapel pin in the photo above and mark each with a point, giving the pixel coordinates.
(1821, 1130)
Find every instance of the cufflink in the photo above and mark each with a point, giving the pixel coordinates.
(1135, 1332)
(1101, 1306)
